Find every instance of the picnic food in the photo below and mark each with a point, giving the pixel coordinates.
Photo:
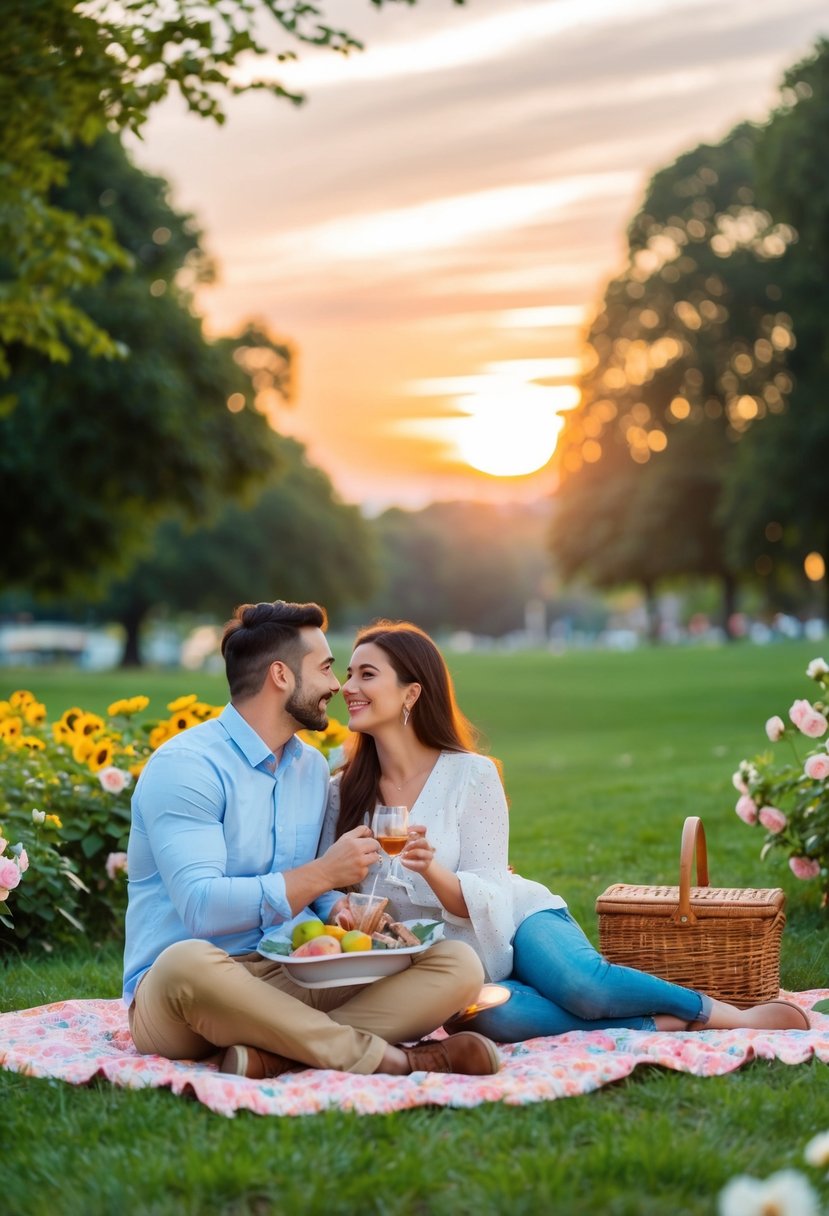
(305, 931)
(317, 947)
(322, 940)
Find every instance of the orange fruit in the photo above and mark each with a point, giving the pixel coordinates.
(336, 931)
(355, 939)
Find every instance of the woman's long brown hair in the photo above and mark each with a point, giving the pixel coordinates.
(435, 718)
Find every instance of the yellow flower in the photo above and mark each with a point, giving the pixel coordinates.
(61, 733)
(159, 734)
(203, 711)
(69, 717)
(81, 748)
(21, 698)
(182, 721)
(100, 755)
(55, 821)
(182, 703)
(336, 733)
(127, 706)
(135, 770)
(88, 724)
(32, 742)
(34, 713)
(6, 709)
(11, 728)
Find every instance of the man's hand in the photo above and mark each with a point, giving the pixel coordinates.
(350, 858)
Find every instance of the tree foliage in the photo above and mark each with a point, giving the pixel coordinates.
(777, 501)
(93, 454)
(687, 352)
(295, 540)
(461, 565)
(68, 73)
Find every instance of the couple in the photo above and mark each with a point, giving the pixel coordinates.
(224, 845)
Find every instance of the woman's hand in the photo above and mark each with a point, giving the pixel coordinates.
(418, 854)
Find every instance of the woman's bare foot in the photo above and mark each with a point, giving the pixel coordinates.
(772, 1015)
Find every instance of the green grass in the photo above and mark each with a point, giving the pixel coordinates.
(604, 755)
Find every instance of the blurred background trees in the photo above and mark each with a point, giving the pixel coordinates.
(701, 443)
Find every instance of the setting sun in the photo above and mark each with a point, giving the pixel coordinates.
(508, 435)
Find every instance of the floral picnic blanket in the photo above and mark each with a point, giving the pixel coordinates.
(77, 1041)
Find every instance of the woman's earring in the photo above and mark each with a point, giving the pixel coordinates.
(405, 715)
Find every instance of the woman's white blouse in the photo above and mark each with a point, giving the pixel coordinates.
(464, 810)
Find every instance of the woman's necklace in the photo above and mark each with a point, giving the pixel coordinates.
(408, 780)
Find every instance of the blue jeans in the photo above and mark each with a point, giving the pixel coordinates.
(560, 982)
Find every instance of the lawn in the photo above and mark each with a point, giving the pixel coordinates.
(604, 755)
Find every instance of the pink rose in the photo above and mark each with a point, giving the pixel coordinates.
(738, 783)
(804, 867)
(817, 767)
(775, 728)
(772, 819)
(746, 809)
(9, 874)
(23, 856)
(115, 864)
(808, 720)
(114, 780)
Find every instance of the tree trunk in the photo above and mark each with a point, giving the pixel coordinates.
(651, 612)
(132, 619)
(729, 604)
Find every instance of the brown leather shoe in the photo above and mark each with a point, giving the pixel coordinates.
(467, 1053)
(254, 1063)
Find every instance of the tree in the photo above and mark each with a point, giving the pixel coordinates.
(461, 565)
(93, 454)
(686, 351)
(777, 501)
(70, 72)
(296, 540)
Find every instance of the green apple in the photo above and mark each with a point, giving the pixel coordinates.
(305, 931)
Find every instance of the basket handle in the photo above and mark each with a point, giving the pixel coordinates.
(693, 846)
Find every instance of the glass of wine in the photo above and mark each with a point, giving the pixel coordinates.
(390, 825)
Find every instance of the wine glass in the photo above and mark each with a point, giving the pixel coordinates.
(390, 825)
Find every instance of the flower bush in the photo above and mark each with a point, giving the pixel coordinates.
(786, 791)
(65, 790)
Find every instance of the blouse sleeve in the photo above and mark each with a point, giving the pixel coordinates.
(483, 823)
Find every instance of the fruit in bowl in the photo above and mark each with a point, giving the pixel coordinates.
(305, 931)
(318, 947)
(355, 939)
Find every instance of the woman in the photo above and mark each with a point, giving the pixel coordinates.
(414, 747)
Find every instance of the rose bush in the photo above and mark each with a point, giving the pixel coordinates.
(786, 791)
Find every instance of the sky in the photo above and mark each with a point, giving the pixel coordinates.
(433, 227)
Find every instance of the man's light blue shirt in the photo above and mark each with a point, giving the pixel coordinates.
(215, 823)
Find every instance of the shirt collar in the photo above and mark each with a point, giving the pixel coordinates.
(252, 746)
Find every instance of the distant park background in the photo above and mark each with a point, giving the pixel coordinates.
(144, 491)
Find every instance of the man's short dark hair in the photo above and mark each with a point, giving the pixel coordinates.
(259, 634)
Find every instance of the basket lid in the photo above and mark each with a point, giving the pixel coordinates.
(623, 897)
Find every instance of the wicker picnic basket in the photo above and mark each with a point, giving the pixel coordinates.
(721, 940)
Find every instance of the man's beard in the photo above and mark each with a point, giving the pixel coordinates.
(306, 712)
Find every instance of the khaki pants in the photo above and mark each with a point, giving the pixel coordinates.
(196, 998)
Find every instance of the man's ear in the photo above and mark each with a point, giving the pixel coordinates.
(281, 676)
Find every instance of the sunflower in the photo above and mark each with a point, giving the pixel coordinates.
(34, 713)
(138, 703)
(61, 733)
(100, 755)
(21, 697)
(159, 734)
(11, 728)
(182, 703)
(81, 747)
(69, 717)
(182, 721)
(32, 742)
(88, 724)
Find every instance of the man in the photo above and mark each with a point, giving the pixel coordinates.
(226, 821)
